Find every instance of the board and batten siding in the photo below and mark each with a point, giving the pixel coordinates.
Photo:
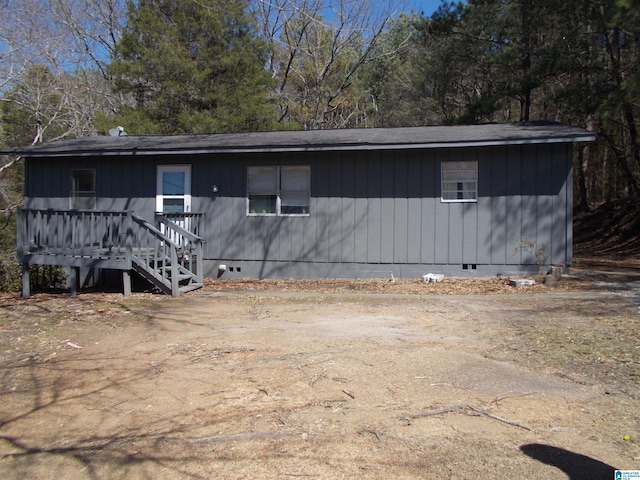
(376, 212)
(122, 184)
(371, 212)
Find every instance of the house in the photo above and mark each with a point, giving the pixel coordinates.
(360, 203)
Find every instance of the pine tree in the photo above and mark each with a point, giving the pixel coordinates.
(192, 67)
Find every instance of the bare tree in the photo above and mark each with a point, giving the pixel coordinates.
(94, 27)
(64, 35)
(317, 48)
(57, 50)
(26, 38)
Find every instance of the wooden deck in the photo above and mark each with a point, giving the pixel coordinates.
(167, 255)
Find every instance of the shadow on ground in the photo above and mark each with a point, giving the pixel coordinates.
(575, 465)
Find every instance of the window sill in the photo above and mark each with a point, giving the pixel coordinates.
(471, 200)
(278, 215)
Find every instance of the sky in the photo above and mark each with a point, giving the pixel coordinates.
(425, 6)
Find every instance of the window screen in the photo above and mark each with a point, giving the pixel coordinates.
(83, 189)
(294, 190)
(277, 190)
(460, 181)
(262, 190)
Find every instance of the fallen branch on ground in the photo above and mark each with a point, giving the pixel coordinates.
(240, 436)
(347, 392)
(464, 406)
(373, 432)
(317, 377)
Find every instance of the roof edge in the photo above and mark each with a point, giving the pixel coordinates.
(407, 138)
(309, 148)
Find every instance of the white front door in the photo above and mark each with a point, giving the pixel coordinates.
(173, 189)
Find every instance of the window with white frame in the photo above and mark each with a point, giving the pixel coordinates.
(83, 189)
(173, 188)
(278, 190)
(459, 181)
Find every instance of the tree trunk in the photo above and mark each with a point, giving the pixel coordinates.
(525, 82)
(631, 143)
(583, 164)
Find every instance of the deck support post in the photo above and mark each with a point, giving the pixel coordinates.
(126, 282)
(26, 282)
(175, 281)
(73, 280)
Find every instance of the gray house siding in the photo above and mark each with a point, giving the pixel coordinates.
(373, 212)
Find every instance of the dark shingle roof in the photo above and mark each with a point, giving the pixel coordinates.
(315, 140)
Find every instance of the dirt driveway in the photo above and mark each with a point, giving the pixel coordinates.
(262, 380)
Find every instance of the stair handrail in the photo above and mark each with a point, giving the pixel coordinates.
(142, 222)
(174, 226)
(191, 238)
(193, 219)
(162, 243)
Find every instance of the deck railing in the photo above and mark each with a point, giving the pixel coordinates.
(171, 259)
(68, 236)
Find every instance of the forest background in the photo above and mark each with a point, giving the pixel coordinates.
(74, 68)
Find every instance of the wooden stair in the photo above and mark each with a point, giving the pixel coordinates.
(171, 258)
